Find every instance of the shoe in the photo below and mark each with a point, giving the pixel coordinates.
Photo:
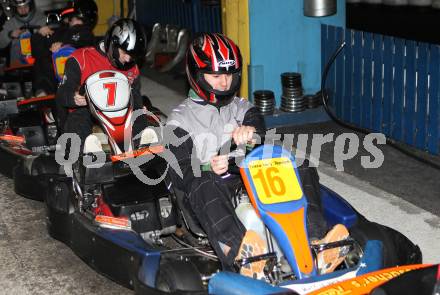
(92, 144)
(328, 260)
(148, 136)
(252, 245)
(40, 93)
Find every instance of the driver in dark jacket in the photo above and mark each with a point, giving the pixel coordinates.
(78, 33)
(207, 119)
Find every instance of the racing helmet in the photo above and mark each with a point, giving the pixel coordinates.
(128, 35)
(85, 10)
(213, 53)
(20, 3)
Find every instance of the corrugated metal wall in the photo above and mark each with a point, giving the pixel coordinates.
(193, 15)
(386, 84)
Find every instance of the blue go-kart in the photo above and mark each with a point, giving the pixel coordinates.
(145, 237)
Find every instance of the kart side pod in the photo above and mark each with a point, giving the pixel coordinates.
(59, 59)
(25, 48)
(272, 181)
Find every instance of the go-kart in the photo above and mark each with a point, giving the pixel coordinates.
(111, 219)
(26, 60)
(275, 206)
(143, 235)
(423, 279)
(17, 76)
(28, 135)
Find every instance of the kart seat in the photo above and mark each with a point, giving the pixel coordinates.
(188, 214)
(128, 191)
(142, 203)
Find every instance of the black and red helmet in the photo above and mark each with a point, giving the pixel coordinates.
(213, 53)
(85, 10)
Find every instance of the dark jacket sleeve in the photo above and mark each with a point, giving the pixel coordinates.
(80, 36)
(77, 36)
(58, 35)
(136, 92)
(183, 154)
(254, 118)
(69, 84)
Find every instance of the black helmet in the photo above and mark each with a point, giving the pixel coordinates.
(20, 3)
(213, 53)
(85, 10)
(129, 36)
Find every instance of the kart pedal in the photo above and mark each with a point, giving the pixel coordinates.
(333, 249)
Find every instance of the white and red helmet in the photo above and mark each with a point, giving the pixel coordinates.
(213, 53)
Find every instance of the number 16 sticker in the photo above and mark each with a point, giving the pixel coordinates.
(275, 180)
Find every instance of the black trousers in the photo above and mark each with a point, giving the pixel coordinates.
(211, 202)
(43, 76)
(316, 224)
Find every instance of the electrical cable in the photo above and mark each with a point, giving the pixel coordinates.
(389, 141)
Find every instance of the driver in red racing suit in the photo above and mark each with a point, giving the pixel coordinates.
(124, 45)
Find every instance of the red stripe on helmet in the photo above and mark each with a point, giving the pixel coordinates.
(222, 48)
(199, 62)
(67, 11)
(209, 51)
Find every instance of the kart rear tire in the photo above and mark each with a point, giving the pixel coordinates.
(397, 249)
(175, 276)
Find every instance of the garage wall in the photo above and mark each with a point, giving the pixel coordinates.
(282, 39)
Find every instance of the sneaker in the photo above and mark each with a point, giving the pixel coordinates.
(148, 136)
(252, 245)
(328, 260)
(40, 93)
(92, 144)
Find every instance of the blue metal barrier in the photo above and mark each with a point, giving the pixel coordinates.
(385, 84)
(192, 15)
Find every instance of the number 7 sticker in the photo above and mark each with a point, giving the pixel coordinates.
(111, 93)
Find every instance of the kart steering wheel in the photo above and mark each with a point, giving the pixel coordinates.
(31, 28)
(236, 153)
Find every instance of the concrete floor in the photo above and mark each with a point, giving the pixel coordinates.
(33, 263)
(399, 174)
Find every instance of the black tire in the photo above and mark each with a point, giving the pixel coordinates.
(178, 275)
(397, 249)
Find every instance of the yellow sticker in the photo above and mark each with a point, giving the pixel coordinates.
(275, 180)
(61, 63)
(25, 45)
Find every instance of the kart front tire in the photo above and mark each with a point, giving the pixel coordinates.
(397, 249)
(175, 276)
